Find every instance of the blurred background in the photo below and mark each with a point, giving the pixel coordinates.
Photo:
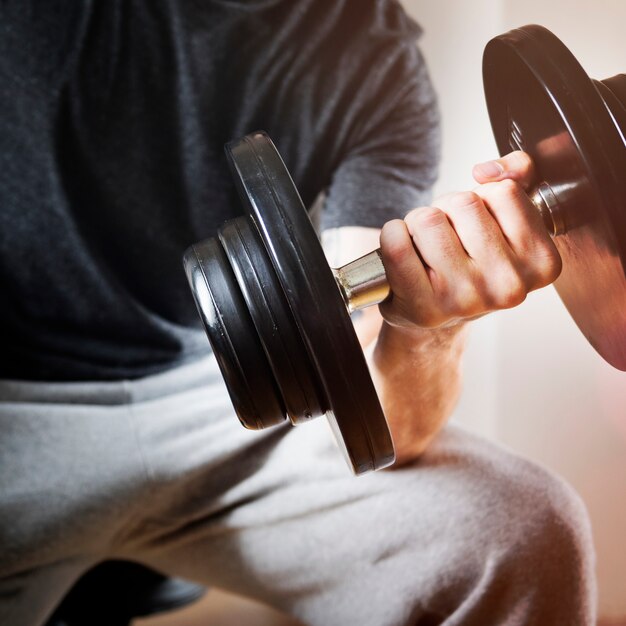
(532, 382)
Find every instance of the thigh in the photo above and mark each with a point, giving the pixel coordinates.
(302, 534)
(74, 479)
(69, 474)
(170, 478)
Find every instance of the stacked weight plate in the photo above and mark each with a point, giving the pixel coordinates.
(275, 316)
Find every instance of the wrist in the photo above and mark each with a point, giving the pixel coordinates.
(407, 339)
(417, 374)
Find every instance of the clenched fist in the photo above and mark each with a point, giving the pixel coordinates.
(470, 252)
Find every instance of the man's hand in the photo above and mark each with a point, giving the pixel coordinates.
(470, 253)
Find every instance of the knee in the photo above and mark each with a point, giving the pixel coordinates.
(514, 506)
(537, 546)
(542, 551)
(513, 534)
(545, 527)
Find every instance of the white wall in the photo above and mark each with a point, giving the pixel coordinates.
(532, 382)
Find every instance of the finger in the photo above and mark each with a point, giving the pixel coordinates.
(436, 241)
(408, 279)
(474, 225)
(517, 166)
(405, 271)
(537, 257)
(497, 283)
(451, 271)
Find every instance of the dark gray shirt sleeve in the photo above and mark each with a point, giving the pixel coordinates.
(392, 162)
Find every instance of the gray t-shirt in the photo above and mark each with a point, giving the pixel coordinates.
(113, 115)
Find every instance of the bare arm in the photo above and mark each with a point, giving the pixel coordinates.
(470, 253)
(416, 371)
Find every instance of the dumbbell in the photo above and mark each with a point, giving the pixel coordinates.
(278, 317)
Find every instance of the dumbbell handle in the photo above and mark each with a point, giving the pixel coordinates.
(363, 282)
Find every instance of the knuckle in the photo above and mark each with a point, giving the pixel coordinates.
(511, 291)
(468, 199)
(540, 259)
(508, 188)
(549, 265)
(391, 229)
(426, 217)
(521, 161)
(501, 193)
(470, 300)
(391, 225)
(395, 246)
(462, 298)
(464, 200)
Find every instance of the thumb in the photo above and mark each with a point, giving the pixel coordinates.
(516, 166)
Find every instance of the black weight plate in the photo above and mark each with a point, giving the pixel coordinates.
(270, 312)
(273, 203)
(541, 100)
(232, 335)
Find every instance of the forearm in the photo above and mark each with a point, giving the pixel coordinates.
(467, 255)
(416, 371)
(417, 374)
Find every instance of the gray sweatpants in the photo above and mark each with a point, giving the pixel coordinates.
(160, 471)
